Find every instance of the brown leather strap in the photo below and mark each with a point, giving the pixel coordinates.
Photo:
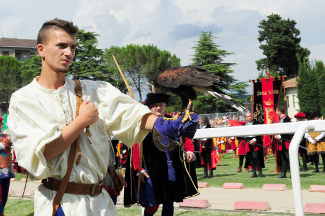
(78, 91)
(72, 153)
(75, 188)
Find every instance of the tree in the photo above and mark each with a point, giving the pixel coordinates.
(10, 79)
(281, 45)
(87, 63)
(141, 63)
(30, 69)
(321, 86)
(208, 55)
(310, 87)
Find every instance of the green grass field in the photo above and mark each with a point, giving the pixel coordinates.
(225, 173)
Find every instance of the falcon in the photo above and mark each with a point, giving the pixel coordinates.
(187, 81)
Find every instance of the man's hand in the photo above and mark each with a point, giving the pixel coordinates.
(88, 112)
(203, 147)
(190, 156)
(144, 174)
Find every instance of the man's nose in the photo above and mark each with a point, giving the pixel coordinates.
(68, 52)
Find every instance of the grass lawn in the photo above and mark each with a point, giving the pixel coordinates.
(226, 174)
(223, 174)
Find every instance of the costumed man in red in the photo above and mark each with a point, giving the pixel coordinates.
(165, 176)
(241, 148)
(233, 146)
(302, 150)
(283, 142)
(254, 149)
(206, 149)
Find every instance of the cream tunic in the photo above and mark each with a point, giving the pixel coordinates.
(36, 117)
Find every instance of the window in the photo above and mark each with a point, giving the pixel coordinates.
(295, 101)
(288, 103)
(5, 53)
(18, 55)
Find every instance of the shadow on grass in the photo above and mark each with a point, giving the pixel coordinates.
(306, 175)
(222, 175)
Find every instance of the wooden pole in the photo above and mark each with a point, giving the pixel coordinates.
(140, 144)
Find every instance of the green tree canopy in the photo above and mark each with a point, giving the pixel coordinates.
(30, 69)
(87, 62)
(10, 79)
(141, 63)
(207, 54)
(280, 44)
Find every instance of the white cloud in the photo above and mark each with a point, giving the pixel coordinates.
(173, 25)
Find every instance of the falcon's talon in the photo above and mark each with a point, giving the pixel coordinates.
(187, 116)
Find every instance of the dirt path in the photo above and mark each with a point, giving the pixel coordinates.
(224, 199)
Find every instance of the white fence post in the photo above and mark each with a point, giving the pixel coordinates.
(294, 168)
(297, 128)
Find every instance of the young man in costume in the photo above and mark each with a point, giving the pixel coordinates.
(254, 149)
(44, 125)
(283, 142)
(164, 178)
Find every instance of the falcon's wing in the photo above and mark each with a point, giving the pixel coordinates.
(188, 76)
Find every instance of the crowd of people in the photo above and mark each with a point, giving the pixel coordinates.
(253, 152)
(223, 120)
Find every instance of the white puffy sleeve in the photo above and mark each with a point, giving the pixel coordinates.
(320, 136)
(122, 114)
(31, 128)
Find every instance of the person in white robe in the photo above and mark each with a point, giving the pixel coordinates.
(43, 124)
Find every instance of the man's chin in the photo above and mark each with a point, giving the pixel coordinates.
(63, 70)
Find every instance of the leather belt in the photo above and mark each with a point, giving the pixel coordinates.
(74, 188)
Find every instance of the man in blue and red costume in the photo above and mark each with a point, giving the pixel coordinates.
(166, 176)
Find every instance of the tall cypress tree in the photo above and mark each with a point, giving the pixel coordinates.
(321, 86)
(311, 86)
(302, 87)
(209, 55)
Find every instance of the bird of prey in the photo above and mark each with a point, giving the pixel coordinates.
(186, 81)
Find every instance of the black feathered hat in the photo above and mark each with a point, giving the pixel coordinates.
(153, 98)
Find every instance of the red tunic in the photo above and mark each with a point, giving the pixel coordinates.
(241, 148)
(233, 143)
(136, 157)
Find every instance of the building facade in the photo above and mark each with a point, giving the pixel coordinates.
(18, 48)
(291, 97)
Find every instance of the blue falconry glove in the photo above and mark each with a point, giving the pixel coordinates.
(166, 133)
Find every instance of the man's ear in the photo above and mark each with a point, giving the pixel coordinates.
(41, 50)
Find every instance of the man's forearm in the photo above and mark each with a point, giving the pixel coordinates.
(148, 121)
(68, 135)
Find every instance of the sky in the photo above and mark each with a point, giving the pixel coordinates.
(173, 25)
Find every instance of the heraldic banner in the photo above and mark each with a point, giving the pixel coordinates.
(266, 98)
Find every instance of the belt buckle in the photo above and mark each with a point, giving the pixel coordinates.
(92, 191)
